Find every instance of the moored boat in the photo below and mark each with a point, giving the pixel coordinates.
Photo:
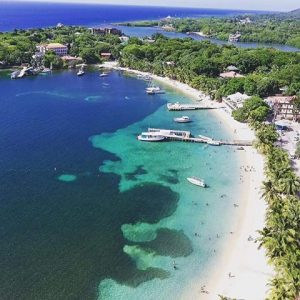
(103, 74)
(183, 119)
(152, 90)
(150, 137)
(197, 181)
(214, 143)
(80, 73)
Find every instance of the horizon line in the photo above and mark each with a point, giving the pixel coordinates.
(95, 2)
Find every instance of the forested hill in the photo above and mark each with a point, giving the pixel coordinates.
(278, 28)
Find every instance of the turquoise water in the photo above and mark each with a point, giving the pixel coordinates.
(199, 211)
(90, 212)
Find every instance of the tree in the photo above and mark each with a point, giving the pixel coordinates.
(89, 55)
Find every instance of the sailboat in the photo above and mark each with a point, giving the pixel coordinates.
(80, 72)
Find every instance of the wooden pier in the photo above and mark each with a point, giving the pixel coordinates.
(186, 136)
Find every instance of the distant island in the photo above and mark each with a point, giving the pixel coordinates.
(279, 28)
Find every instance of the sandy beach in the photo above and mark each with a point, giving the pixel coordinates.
(242, 271)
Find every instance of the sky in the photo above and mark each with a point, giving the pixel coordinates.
(271, 5)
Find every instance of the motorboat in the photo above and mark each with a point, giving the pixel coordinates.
(197, 181)
(14, 75)
(103, 74)
(183, 119)
(240, 148)
(150, 137)
(80, 72)
(213, 143)
(145, 77)
(152, 90)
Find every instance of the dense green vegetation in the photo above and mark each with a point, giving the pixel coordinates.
(276, 28)
(200, 63)
(281, 234)
(280, 190)
(254, 109)
(17, 47)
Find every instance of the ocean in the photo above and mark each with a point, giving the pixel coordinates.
(20, 15)
(89, 212)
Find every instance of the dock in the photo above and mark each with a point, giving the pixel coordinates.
(180, 106)
(186, 136)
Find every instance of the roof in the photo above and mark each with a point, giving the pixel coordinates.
(232, 68)
(238, 97)
(69, 57)
(55, 45)
(231, 74)
(280, 99)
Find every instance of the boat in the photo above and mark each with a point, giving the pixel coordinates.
(103, 74)
(80, 72)
(183, 119)
(14, 75)
(150, 137)
(240, 148)
(152, 90)
(45, 71)
(213, 143)
(144, 77)
(197, 181)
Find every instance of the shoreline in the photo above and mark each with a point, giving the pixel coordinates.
(242, 271)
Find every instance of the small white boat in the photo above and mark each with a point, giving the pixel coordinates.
(103, 74)
(183, 119)
(80, 72)
(197, 181)
(150, 137)
(213, 143)
(152, 90)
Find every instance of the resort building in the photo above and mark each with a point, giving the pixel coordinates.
(71, 60)
(283, 107)
(59, 49)
(231, 74)
(234, 37)
(106, 55)
(124, 39)
(106, 30)
(235, 101)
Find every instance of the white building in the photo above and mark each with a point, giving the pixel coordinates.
(236, 100)
(59, 49)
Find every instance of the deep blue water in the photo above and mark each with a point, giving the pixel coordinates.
(60, 239)
(30, 15)
(87, 210)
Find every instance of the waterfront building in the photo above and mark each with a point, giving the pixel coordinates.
(106, 30)
(284, 107)
(106, 55)
(236, 100)
(124, 38)
(71, 61)
(234, 37)
(59, 49)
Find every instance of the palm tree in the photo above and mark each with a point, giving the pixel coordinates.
(270, 192)
(290, 184)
